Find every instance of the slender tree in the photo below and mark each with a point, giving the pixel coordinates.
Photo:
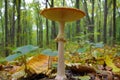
(47, 29)
(99, 21)
(53, 28)
(18, 23)
(105, 23)
(24, 25)
(114, 21)
(63, 3)
(41, 32)
(86, 11)
(90, 21)
(77, 4)
(78, 21)
(6, 27)
(2, 26)
(12, 33)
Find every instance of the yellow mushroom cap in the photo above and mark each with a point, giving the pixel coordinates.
(62, 14)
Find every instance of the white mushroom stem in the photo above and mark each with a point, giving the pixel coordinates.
(61, 65)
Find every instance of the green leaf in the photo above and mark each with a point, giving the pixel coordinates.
(117, 54)
(2, 60)
(98, 45)
(55, 53)
(49, 52)
(13, 57)
(84, 77)
(96, 54)
(81, 50)
(21, 51)
(25, 49)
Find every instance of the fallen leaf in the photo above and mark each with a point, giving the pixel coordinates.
(110, 63)
(38, 64)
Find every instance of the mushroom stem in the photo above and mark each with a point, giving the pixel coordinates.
(61, 27)
(61, 65)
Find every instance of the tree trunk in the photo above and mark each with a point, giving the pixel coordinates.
(47, 29)
(13, 25)
(41, 33)
(53, 27)
(78, 21)
(2, 29)
(63, 3)
(92, 19)
(105, 23)
(99, 22)
(38, 39)
(6, 27)
(86, 11)
(90, 25)
(19, 25)
(114, 21)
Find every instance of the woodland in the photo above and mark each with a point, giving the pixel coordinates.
(29, 50)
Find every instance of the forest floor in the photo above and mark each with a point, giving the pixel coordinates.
(79, 66)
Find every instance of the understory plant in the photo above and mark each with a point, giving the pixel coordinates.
(20, 54)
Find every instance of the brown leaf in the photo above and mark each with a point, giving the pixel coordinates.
(1, 66)
(38, 64)
(77, 68)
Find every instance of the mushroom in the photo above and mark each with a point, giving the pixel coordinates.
(62, 15)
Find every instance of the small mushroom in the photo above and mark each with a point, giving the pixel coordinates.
(62, 15)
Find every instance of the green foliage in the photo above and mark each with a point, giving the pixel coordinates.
(84, 78)
(13, 57)
(118, 28)
(25, 49)
(49, 52)
(117, 54)
(20, 51)
(2, 60)
(71, 47)
(96, 54)
(81, 50)
(98, 45)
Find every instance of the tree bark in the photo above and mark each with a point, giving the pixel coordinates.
(19, 25)
(90, 21)
(78, 21)
(6, 27)
(114, 21)
(53, 27)
(63, 3)
(47, 29)
(86, 11)
(105, 23)
(2, 28)
(13, 25)
(99, 22)
(41, 33)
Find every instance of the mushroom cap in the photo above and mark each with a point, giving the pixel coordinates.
(62, 14)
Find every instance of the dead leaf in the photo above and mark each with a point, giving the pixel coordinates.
(78, 68)
(1, 66)
(38, 64)
(110, 63)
